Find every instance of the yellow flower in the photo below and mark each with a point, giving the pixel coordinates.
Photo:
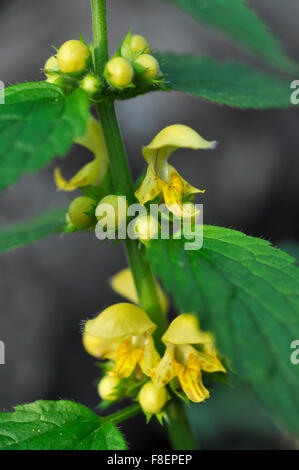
(162, 178)
(184, 361)
(123, 283)
(93, 172)
(131, 330)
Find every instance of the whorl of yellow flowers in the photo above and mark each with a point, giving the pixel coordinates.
(123, 333)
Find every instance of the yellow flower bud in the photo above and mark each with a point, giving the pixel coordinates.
(91, 84)
(51, 66)
(78, 211)
(146, 227)
(150, 64)
(73, 57)
(65, 83)
(119, 72)
(111, 211)
(140, 44)
(152, 399)
(106, 388)
(53, 78)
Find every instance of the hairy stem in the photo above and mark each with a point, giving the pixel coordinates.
(99, 20)
(123, 415)
(143, 277)
(179, 430)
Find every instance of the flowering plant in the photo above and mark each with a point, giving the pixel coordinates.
(227, 308)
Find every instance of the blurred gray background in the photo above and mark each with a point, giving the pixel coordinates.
(251, 181)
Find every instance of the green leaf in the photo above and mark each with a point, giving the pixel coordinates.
(37, 123)
(236, 19)
(57, 425)
(247, 293)
(30, 231)
(291, 247)
(230, 83)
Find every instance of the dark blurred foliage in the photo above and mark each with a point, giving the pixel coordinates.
(48, 288)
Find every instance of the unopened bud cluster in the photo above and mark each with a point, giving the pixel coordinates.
(133, 64)
(70, 68)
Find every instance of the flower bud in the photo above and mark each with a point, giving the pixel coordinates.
(151, 65)
(65, 83)
(140, 44)
(119, 72)
(91, 84)
(107, 386)
(73, 57)
(111, 211)
(53, 78)
(146, 227)
(78, 211)
(152, 399)
(51, 66)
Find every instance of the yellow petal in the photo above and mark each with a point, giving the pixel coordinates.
(164, 372)
(148, 189)
(93, 172)
(209, 363)
(150, 357)
(126, 360)
(187, 188)
(87, 175)
(100, 348)
(184, 329)
(190, 380)
(170, 139)
(172, 194)
(120, 320)
(123, 283)
(94, 141)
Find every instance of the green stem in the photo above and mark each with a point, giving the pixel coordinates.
(142, 274)
(123, 415)
(179, 429)
(99, 20)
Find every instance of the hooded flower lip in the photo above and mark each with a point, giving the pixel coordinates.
(120, 320)
(93, 172)
(161, 177)
(184, 361)
(123, 284)
(130, 329)
(184, 329)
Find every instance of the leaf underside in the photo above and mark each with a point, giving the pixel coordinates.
(247, 293)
